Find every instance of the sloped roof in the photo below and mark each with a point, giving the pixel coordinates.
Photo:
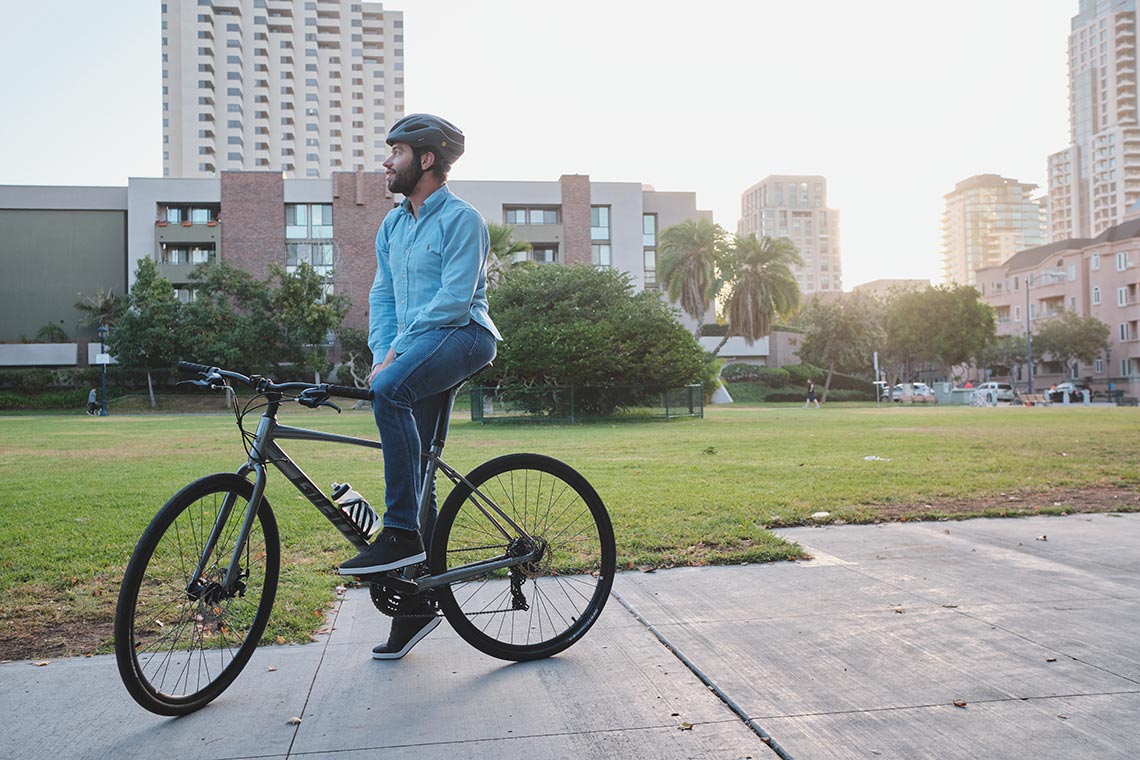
(1031, 257)
(1123, 231)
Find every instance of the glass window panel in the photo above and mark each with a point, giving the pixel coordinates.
(174, 215)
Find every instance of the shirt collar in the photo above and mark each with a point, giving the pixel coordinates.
(436, 199)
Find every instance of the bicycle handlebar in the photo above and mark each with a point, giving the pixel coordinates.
(265, 385)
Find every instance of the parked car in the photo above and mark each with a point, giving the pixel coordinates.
(1074, 391)
(919, 392)
(1002, 391)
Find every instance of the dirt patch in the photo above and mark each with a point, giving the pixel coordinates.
(27, 639)
(1053, 501)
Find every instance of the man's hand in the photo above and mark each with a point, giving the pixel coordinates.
(376, 368)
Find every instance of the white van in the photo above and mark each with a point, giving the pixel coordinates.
(1001, 391)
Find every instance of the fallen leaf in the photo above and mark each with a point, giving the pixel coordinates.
(646, 568)
(685, 726)
(899, 610)
(1042, 538)
(950, 606)
(272, 668)
(280, 639)
(960, 703)
(1050, 659)
(294, 721)
(41, 663)
(1063, 717)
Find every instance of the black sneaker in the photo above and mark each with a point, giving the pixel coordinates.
(406, 633)
(391, 550)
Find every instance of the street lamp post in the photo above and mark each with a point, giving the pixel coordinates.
(103, 361)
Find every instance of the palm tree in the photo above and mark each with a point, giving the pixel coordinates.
(103, 308)
(502, 253)
(689, 255)
(758, 273)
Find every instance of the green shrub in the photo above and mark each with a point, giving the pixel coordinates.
(740, 371)
(774, 377)
(799, 374)
(585, 327)
(26, 380)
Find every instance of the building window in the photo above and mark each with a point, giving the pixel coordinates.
(202, 253)
(599, 222)
(649, 248)
(601, 255)
(532, 215)
(1094, 262)
(1096, 295)
(1122, 296)
(1121, 261)
(317, 255)
(304, 221)
(542, 253)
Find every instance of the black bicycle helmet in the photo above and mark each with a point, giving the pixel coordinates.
(423, 130)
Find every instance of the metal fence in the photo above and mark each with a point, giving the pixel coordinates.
(568, 403)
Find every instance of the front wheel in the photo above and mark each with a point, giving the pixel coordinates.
(180, 640)
(541, 607)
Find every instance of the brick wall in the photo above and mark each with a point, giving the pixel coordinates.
(253, 221)
(360, 203)
(575, 219)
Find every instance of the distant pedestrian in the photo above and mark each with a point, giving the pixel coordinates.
(811, 396)
(969, 385)
(92, 402)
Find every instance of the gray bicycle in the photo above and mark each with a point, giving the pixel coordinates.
(521, 563)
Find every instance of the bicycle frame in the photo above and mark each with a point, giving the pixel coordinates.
(264, 450)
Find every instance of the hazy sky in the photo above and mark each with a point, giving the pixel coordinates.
(893, 101)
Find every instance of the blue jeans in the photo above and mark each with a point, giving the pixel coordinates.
(408, 396)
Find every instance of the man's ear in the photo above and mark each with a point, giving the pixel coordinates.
(427, 160)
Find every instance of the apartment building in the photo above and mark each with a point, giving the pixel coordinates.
(254, 219)
(1098, 277)
(795, 207)
(987, 219)
(304, 88)
(1096, 178)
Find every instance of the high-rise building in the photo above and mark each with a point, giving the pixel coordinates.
(795, 207)
(1094, 181)
(987, 219)
(305, 88)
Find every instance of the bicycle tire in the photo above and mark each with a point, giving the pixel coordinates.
(176, 652)
(565, 589)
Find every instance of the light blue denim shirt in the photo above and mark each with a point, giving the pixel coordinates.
(431, 272)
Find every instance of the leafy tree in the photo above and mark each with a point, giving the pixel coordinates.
(356, 356)
(761, 286)
(308, 315)
(944, 325)
(148, 334)
(1069, 336)
(242, 322)
(502, 252)
(689, 256)
(842, 334)
(1004, 352)
(581, 326)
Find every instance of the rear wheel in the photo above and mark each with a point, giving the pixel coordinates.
(541, 607)
(180, 640)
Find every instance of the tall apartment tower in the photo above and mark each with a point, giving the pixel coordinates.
(1094, 181)
(795, 207)
(302, 87)
(987, 219)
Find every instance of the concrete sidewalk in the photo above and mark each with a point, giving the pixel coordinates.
(860, 653)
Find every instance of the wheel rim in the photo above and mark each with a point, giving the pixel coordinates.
(186, 636)
(562, 588)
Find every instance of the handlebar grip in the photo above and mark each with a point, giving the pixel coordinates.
(347, 391)
(192, 367)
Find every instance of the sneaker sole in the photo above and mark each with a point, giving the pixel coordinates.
(370, 569)
(431, 626)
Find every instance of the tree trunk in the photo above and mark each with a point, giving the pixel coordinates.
(827, 383)
(150, 390)
(720, 345)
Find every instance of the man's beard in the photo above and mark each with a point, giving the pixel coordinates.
(406, 179)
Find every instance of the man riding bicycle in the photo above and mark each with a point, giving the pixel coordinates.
(429, 329)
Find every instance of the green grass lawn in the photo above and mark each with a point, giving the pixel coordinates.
(76, 492)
